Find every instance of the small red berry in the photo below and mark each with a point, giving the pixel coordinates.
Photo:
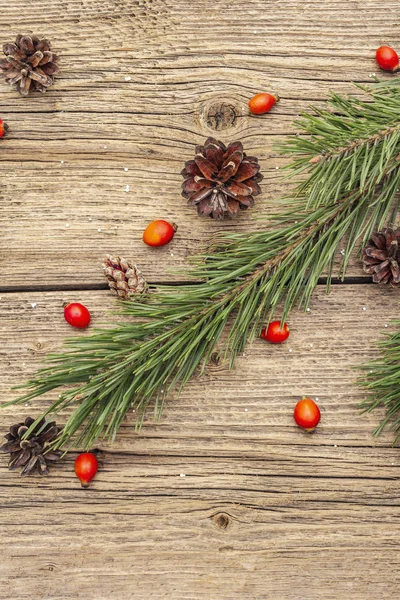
(274, 333)
(387, 58)
(77, 315)
(159, 233)
(307, 414)
(86, 466)
(3, 128)
(262, 103)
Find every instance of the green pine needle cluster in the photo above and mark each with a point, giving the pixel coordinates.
(381, 378)
(346, 168)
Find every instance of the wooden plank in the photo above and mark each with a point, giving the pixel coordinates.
(192, 69)
(324, 345)
(226, 498)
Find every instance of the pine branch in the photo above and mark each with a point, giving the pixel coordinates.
(245, 277)
(381, 379)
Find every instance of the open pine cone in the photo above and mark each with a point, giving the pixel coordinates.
(221, 180)
(29, 64)
(381, 256)
(30, 453)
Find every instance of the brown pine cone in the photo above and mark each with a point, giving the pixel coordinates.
(29, 64)
(221, 180)
(124, 278)
(381, 256)
(30, 453)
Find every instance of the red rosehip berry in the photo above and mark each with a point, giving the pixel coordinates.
(387, 58)
(3, 128)
(159, 233)
(86, 466)
(307, 414)
(77, 315)
(274, 333)
(262, 103)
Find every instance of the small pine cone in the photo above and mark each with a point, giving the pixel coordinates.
(124, 278)
(381, 256)
(29, 64)
(221, 180)
(30, 453)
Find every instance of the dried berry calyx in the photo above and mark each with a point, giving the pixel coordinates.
(221, 180)
(30, 65)
(381, 256)
(31, 452)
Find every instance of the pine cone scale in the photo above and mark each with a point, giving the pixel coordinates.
(11, 50)
(19, 460)
(11, 446)
(30, 466)
(395, 270)
(233, 207)
(35, 59)
(376, 253)
(15, 78)
(42, 465)
(206, 168)
(247, 170)
(201, 195)
(220, 178)
(204, 207)
(48, 434)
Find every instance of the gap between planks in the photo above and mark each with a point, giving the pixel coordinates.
(23, 289)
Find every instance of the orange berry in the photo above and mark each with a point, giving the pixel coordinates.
(159, 233)
(77, 315)
(387, 58)
(307, 414)
(3, 128)
(262, 103)
(86, 466)
(274, 333)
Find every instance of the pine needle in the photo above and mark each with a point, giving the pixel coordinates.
(381, 378)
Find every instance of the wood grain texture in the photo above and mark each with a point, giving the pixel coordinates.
(225, 499)
(263, 510)
(141, 83)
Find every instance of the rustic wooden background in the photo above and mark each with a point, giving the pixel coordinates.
(226, 499)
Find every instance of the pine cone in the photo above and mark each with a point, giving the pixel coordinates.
(221, 180)
(124, 278)
(381, 256)
(29, 64)
(30, 453)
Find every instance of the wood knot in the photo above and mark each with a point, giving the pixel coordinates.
(48, 567)
(222, 520)
(37, 348)
(220, 116)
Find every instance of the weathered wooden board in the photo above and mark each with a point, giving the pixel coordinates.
(226, 498)
(141, 83)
